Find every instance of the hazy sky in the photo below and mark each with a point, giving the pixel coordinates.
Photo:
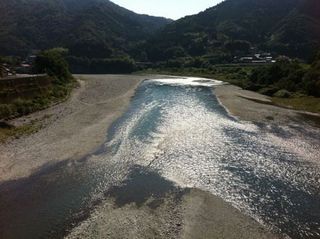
(173, 9)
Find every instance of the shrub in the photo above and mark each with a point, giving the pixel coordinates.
(271, 90)
(102, 65)
(311, 80)
(54, 64)
(286, 75)
(282, 94)
(6, 111)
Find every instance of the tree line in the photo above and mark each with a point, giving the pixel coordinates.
(285, 78)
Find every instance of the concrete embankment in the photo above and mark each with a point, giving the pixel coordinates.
(23, 87)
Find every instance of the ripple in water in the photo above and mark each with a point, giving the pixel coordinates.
(178, 128)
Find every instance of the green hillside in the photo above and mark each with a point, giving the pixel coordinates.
(235, 27)
(298, 34)
(104, 37)
(90, 28)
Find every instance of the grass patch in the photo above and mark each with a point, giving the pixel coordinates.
(19, 107)
(16, 132)
(51, 63)
(305, 103)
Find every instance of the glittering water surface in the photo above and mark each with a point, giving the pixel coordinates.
(183, 132)
(177, 128)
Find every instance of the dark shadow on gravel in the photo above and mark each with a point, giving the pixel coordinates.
(143, 185)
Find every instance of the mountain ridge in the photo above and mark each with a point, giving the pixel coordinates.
(234, 26)
(33, 24)
(102, 29)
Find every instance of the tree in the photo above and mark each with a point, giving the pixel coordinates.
(238, 46)
(53, 63)
(312, 78)
(175, 52)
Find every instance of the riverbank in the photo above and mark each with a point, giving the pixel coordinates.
(237, 75)
(77, 127)
(71, 129)
(252, 106)
(194, 215)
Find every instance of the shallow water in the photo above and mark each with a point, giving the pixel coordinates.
(178, 135)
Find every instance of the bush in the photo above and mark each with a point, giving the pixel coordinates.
(311, 80)
(53, 63)
(6, 111)
(282, 94)
(102, 66)
(271, 90)
(288, 76)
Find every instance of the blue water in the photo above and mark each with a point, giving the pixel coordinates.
(181, 134)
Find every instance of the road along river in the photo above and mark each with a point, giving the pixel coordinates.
(176, 130)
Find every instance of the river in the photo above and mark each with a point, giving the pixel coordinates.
(177, 129)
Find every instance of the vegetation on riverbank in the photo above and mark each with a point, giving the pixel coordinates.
(7, 131)
(304, 103)
(289, 83)
(35, 93)
(49, 62)
(233, 74)
(80, 65)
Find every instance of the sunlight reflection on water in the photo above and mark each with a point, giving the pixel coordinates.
(179, 129)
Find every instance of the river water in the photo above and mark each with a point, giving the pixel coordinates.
(177, 129)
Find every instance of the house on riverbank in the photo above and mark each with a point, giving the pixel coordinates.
(2, 71)
(5, 71)
(257, 58)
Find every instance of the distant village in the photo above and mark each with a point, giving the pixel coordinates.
(25, 67)
(257, 58)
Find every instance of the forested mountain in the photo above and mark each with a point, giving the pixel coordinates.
(90, 28)
(289, 27)
(100, 34)
(298, 33)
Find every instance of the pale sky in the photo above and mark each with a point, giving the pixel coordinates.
(173, 9)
